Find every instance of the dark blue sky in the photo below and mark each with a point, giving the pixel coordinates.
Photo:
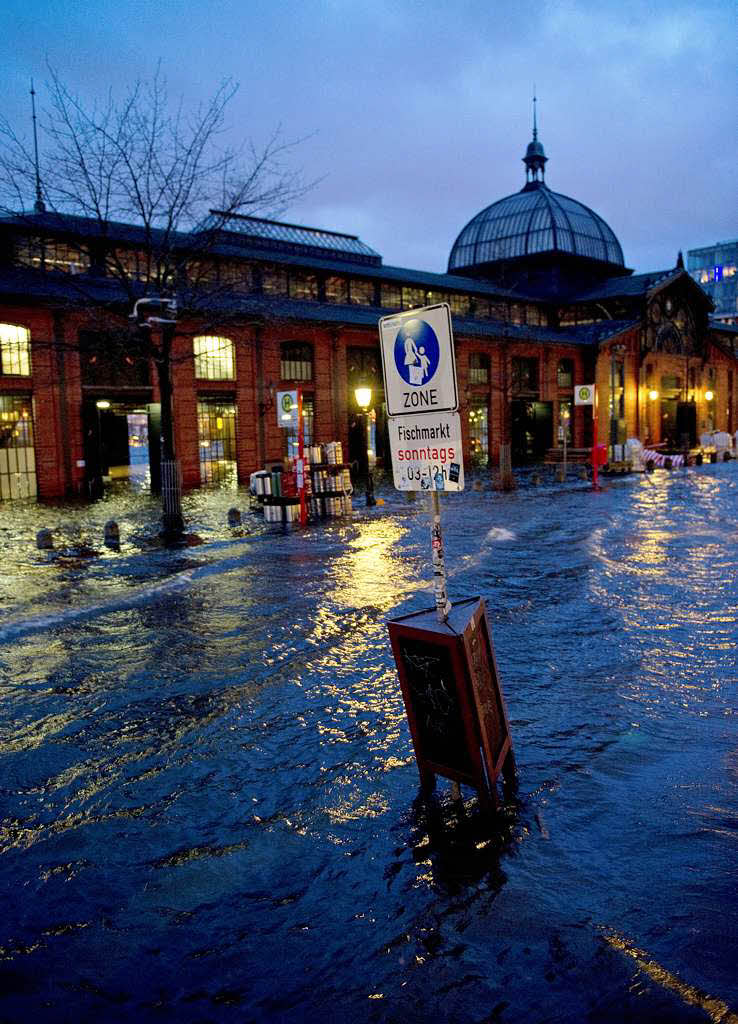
(416, 115)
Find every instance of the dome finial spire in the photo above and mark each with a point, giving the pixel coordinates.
(535, 157)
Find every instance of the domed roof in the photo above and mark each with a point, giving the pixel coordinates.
(534, 220)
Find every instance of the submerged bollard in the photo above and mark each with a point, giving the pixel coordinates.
(582, 472)
(111, 535)
(234, 517)
(560, 475)
(535, 479)
(477, 485)
(44, 540)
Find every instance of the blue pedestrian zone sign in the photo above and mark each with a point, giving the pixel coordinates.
(416, 352)
(418, 361)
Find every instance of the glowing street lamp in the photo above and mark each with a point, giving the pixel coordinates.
(653, 394)
(709, 395)
(363, 396)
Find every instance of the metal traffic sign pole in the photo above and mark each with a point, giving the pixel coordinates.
(443, 605)
(444, 656)
(424, 429)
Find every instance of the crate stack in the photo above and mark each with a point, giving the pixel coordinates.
(331, 481)
(328, 486)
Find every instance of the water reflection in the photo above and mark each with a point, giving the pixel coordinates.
(209, 802)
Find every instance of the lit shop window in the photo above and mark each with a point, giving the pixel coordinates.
(17, 458)
(478, 435)
(434, 297)
(15, 350)
(216, 429)
(214, 358)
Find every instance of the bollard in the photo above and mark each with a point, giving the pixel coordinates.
(477, 485)
(535, 479)
(650, 466)
(726, 456)
(44, 540)
(582, 472)
(111, 537)
(560, 475)
(234, 517)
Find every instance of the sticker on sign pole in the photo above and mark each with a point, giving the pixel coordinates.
(418, 361)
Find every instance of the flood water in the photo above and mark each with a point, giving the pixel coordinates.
(209, 803)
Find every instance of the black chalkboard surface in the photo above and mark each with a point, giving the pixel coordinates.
(438, 716)
(453, 698)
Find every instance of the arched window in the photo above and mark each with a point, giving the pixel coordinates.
(214, 358)
(15, 350)
(565, 373)
(296, 360)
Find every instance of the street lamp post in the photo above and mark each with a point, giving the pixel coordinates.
(564, 416)
(151, 313)
(363, 396)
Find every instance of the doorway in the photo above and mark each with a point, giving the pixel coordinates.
(118, 438)
(532, 430)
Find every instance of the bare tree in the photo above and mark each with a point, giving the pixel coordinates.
(165, 171)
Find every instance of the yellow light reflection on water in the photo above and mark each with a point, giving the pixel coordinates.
(715, 1009)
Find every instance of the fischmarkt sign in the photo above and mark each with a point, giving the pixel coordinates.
(418, 361)
(426, 452)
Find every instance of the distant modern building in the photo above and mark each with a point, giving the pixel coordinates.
(715, 269)
(541, 302)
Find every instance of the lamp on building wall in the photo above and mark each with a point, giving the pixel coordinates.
(653, 394)
(363, 395)
(709, 395)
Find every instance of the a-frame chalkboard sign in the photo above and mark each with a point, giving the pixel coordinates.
(453, 699)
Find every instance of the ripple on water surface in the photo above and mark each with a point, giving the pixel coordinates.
(209, 801)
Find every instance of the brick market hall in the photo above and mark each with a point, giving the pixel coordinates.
(541, 302)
